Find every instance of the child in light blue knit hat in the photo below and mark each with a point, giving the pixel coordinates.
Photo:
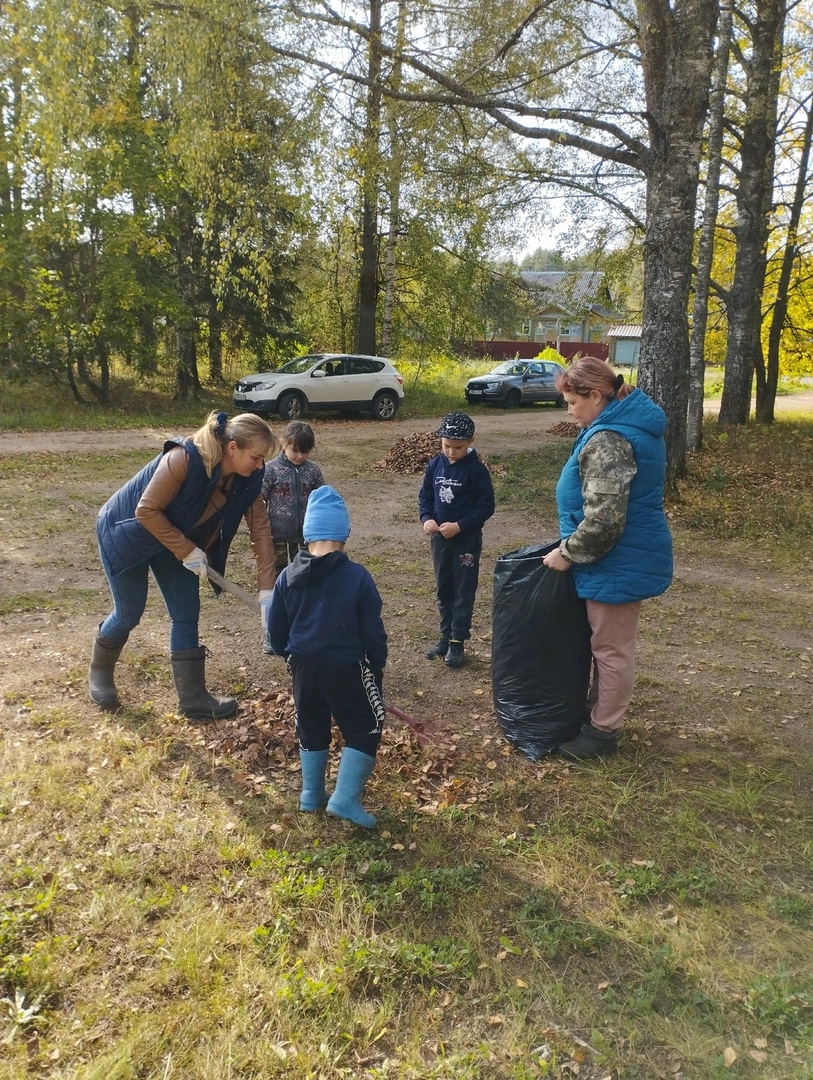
(325, 620)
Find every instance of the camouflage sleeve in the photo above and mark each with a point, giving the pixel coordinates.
(607, 466)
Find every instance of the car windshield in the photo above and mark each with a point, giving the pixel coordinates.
(508, 367)
(300, 365)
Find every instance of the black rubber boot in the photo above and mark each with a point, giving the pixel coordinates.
(103, 661)
(454, 654)
(438, 650)
(194, 700)
(590, 743)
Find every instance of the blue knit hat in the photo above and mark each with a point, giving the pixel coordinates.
(456, 425)
(326, 516)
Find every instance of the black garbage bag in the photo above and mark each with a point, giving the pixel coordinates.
(540, 652)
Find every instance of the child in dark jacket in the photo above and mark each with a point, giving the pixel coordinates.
(455, 501)
(289, 479)
(325, 619)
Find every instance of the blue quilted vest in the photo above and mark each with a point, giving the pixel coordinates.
(126, 542)
(640, 564)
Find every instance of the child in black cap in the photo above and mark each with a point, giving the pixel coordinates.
(455, 501)
(325, 619)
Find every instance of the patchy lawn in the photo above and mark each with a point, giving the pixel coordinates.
(168, 912)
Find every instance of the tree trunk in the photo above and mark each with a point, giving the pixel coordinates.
(767, 400)
(394, 185)
(215, 343)
(754, 195)
(676, 51)
(101, 391)
(187, 382)
(77, 395)
(13, 239)
(705, 251)
(368, 276)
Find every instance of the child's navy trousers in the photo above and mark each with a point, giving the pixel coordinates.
(349, 692)
(457, 570)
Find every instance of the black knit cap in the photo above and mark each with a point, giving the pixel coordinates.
(456, 425)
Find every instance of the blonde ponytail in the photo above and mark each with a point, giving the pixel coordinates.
(248, 431)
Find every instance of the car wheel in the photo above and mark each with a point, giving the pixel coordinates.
(385, 405)
(513, 399)
(560, 402)
(291, 407)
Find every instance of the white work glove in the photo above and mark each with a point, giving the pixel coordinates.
(265, 606)
(196, 562)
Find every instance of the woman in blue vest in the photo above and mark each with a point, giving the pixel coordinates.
(176, 517)
(615, 538)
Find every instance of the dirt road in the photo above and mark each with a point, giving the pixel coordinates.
(497, 431)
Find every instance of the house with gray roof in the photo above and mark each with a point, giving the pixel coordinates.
(568, 310)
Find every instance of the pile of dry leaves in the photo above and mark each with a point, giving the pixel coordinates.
(566, 429)
(437, 770)
(412, 453)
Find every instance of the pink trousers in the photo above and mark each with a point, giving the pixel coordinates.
(613, 628)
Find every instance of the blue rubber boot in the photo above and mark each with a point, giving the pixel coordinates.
(345, 802)
(314, 767)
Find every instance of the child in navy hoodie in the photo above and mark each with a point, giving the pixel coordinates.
(455, 501)
(325, 619)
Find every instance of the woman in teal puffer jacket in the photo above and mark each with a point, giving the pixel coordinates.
(615, 536)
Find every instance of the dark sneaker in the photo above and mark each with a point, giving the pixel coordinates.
(438, 650)
(454, 655)
(590, 743)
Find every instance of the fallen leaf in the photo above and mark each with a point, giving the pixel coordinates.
(761, 1044)
(729, 1056)
(759, 1056)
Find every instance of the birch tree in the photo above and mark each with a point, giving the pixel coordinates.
(549, 75)
(759, 51)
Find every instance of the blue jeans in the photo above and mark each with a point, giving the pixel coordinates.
(179, 587)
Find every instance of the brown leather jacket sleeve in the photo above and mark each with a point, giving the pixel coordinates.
(167, 481)
(262, 543)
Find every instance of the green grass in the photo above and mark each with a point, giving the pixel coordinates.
(311, 956)
(40, 404)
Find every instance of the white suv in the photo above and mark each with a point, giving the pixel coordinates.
(323, 381)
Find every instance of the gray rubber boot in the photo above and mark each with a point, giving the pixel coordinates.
(194, 700)
(103, 661)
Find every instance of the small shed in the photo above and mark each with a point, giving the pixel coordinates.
(625, 345)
